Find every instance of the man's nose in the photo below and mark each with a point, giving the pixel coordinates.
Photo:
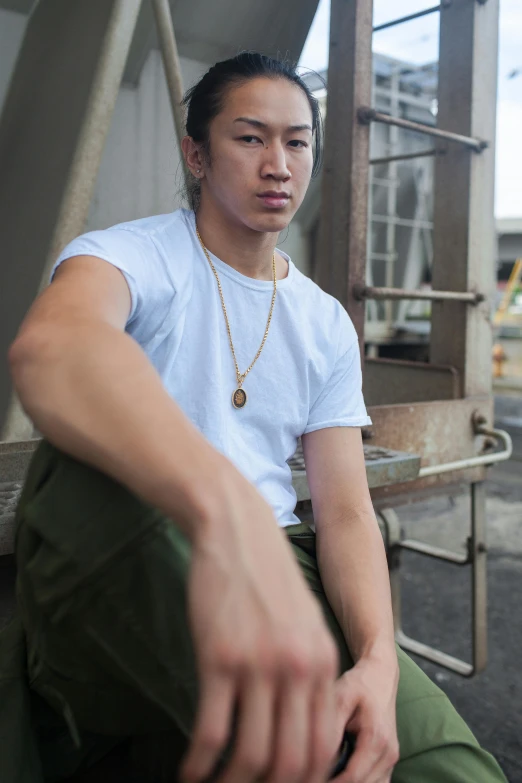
(275, 163)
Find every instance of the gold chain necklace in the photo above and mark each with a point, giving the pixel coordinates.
(239, 396)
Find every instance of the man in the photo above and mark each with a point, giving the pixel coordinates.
(173, 364)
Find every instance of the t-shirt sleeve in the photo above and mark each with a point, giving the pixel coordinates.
(132, 253)
(341, 402)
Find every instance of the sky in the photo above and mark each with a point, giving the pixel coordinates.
(417, 42)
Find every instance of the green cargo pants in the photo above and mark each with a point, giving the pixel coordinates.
(100, 651)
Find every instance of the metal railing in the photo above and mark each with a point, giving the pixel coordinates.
(373, 292)
(367, 115)
(475, 556)
(406, 156)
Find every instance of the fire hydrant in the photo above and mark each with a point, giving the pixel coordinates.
(499, 357)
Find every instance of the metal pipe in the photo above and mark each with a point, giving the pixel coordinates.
(370, 292)
(367, 115)
(474, 462)
(392, 194)
(436, 552)
(405, 156)
(436, 656)
(479, 579)
(435, 9)
(169, 53)
(409, 222)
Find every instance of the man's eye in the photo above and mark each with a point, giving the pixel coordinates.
(298, 143)
(250, 139)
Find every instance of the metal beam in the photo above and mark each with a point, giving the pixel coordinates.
(434, 10)
(464, 229)
(344, 208)
(52, 133)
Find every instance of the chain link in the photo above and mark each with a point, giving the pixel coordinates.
(239, 375)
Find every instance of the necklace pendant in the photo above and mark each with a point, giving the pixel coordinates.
(239, 398)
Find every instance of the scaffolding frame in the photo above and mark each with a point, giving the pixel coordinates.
(443, 431)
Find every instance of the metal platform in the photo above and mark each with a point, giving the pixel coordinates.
(383, 467)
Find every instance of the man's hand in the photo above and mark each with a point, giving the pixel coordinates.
(263, 650)
(365, 704)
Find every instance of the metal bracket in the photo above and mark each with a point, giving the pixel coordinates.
(475, 556)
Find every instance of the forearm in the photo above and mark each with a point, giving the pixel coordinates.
(92, 392)
(354, 572)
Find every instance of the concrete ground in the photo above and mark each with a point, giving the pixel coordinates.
(436, 600)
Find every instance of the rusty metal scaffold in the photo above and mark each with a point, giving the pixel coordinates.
(445, 423)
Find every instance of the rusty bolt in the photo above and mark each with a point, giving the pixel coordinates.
(479, 420)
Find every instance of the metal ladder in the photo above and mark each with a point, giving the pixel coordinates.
(462, 263)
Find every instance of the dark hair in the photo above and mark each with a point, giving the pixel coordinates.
(205, 100)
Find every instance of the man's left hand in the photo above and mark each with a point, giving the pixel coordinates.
(366, 697)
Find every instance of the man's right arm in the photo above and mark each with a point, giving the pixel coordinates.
(260, 639)
(92, 392)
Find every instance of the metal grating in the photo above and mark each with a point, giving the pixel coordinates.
(371, 454)
(9, 494)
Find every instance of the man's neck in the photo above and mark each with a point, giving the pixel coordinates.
(248, 252)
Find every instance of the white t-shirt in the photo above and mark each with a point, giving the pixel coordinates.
(308, 376)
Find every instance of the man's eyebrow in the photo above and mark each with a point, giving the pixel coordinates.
(259, 124)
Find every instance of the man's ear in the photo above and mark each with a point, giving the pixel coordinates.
(193, 155)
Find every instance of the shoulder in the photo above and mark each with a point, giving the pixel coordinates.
(325, 314)
(153, 253)
(158, 233)
(145, 234)
(145, 246)
(156, 228)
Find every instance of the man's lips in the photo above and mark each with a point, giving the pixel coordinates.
(274, 198)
